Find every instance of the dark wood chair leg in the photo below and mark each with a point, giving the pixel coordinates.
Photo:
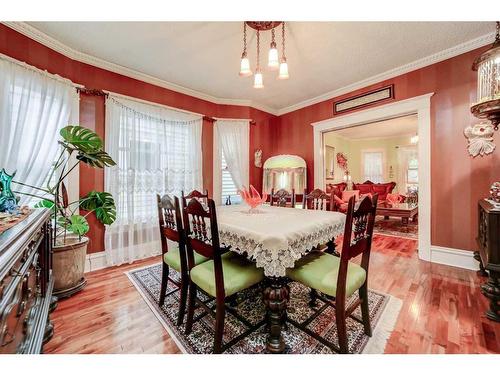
(219, 324)
(182, 303)
(164, 282)
(341, 326)
(313, 295)
(191, 303)
(365, 312)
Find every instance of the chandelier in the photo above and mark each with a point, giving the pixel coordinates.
(487, 66)
(273, 62)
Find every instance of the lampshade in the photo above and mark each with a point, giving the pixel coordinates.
(258, 82)
(487, 66)
(245, 67)
(273, 61)
(283, 70)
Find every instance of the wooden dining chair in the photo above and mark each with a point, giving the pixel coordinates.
(339, 277)
(171, 228)
(225, 274)
(317, 200)
(203, 196)
(281, 198)
(320, 200)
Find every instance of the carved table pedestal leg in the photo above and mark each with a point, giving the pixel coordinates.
(492, 291)
(276, 297)
(482, 271)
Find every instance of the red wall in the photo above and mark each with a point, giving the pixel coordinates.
(92, 110)
(458, 181)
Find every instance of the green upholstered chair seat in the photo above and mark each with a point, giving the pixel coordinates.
(239, 273)
(173, 258)
(320, 271)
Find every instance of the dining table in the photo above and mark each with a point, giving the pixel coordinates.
(275, 238)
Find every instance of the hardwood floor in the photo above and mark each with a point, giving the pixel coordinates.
(443, 310)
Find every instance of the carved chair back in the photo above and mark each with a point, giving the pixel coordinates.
(170, 223)
(281, 198)
(317, 200)
(202, 235)
(201, 196)
(358, 234)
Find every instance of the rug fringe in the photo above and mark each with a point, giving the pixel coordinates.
(385, 326)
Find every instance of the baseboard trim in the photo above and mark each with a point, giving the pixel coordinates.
(454, 257)
(95, 261)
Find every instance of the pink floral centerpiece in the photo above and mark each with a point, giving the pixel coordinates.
(394, 198)
(252, 197)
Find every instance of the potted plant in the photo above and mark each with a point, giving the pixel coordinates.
(78, 145)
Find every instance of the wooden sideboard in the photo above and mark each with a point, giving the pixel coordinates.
(26, 285)
(488, 241)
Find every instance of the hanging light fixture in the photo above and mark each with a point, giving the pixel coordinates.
(487, 66)
(274, 62)
(245, 63)
(258, 82)
(414, 139)
(283, 74)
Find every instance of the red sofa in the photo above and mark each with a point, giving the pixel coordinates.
(369, 187)
(366, 187)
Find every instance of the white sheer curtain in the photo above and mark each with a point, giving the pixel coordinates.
(34, 106)
(373, 166)
(157, 151)
(232, 138)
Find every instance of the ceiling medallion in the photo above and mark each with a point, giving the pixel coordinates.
(274, 61)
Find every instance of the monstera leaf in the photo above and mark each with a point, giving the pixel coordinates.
(44, 203)
(97, 159)
(102, 203)
(76, 224)
(81, 139)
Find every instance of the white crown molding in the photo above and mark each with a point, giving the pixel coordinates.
(421, 63)
(35, 34)
(67, 51)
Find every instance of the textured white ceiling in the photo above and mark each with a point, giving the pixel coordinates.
(407, 125)
(204, 56)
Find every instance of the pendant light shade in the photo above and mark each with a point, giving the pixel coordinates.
(283, 70)
(245, 66)
(258, 82)
(273, 61)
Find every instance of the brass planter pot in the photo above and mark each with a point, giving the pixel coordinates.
(68, 266)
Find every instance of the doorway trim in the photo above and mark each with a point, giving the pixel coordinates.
(420, 105)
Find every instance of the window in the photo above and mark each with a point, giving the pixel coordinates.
(373, 166)
(229, 189)
(412, 174)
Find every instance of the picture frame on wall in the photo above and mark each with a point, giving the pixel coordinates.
(329, 162)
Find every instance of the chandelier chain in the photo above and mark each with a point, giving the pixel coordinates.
(258, 50)
(273, 43)
(283, 40)
(244, 39)
(497, 36)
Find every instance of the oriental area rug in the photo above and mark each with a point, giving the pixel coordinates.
(384, 311)
(395, 227)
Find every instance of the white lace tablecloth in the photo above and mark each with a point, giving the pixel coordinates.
(276, 237)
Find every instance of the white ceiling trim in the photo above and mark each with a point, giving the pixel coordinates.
(421, 63)
(67, 51)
